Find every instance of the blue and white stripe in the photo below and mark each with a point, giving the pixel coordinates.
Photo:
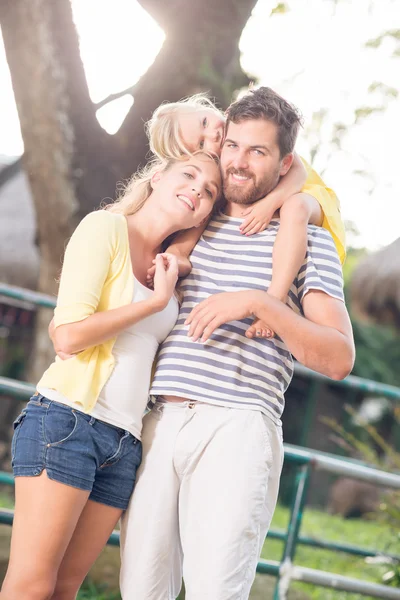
(230, 369)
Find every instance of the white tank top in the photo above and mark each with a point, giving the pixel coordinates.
(123, 399)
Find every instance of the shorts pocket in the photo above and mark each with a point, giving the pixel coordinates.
(16, 425)
(19, 419)
(59, 425)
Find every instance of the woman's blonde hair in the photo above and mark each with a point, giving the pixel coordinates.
(163, 131)
(134, 193)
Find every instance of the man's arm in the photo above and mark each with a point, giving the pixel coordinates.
(321, 340)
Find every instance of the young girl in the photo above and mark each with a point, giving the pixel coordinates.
(300, 196)
(76, 446)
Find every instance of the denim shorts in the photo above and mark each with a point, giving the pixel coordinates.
(77, 450)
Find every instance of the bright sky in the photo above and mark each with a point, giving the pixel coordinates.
(314, 55)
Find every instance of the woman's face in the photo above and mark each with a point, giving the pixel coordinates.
(202, 130)
(188, 190)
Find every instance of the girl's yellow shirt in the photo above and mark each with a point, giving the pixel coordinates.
(96, 276)
(330, 206)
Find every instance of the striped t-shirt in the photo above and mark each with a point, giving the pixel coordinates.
(230, 369)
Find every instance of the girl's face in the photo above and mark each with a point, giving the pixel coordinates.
(202, 130)
(188, 190)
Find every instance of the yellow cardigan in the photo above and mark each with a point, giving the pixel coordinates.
(330, 206)
(96, 276)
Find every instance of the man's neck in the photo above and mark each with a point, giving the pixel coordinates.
(234, 210)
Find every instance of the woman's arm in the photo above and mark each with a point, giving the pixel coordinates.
(87, 260)
(101, 326)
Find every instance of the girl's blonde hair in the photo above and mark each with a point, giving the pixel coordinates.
(163, 131)
(137, 190)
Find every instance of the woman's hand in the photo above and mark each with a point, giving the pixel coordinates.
(165, 278)
(184, 268)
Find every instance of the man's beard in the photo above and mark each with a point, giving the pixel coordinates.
(238, 195)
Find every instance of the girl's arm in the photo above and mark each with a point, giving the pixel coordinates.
(325, 206)
(184, 243)
(260, 214)
(181, 247)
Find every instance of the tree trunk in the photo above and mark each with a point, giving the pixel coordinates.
(54, 112)
(200, 54)
(71, 162)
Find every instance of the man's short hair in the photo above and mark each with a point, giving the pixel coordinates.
(264, 103)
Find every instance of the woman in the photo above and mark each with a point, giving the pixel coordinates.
(76, 445)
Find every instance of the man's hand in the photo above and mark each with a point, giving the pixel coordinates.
(210, 314)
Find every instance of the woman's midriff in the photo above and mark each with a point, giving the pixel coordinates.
(174, 399)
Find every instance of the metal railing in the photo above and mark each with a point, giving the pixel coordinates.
(305, 460)
(285, 571)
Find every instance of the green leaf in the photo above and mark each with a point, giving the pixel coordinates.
(366, 111)
(280, 9)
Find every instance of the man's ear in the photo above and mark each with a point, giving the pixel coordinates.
(155, 179)
(286, 164)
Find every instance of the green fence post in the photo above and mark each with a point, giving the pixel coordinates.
(311, 403)
(299, 499)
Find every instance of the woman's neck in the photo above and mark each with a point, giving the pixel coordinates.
(151, 231)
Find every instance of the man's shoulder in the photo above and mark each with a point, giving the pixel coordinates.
(320, 241)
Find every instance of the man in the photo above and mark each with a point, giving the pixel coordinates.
(212, 444)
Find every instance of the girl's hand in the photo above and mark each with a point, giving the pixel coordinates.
(165, 278)
(258, 216)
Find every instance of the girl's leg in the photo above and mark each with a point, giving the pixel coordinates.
(289, 250)
(46, 514)
(94, 527)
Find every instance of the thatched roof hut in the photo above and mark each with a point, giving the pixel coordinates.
(19, 256)
(375, 286)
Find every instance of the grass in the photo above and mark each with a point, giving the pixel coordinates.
(366, 534)
(7, 498)
(317, 524)
(89, 591)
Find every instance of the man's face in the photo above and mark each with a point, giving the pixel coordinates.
(251, 162)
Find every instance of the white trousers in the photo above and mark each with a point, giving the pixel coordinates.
(203, 502)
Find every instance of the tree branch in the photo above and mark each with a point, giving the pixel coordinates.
(130, 90)
(200, 54)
